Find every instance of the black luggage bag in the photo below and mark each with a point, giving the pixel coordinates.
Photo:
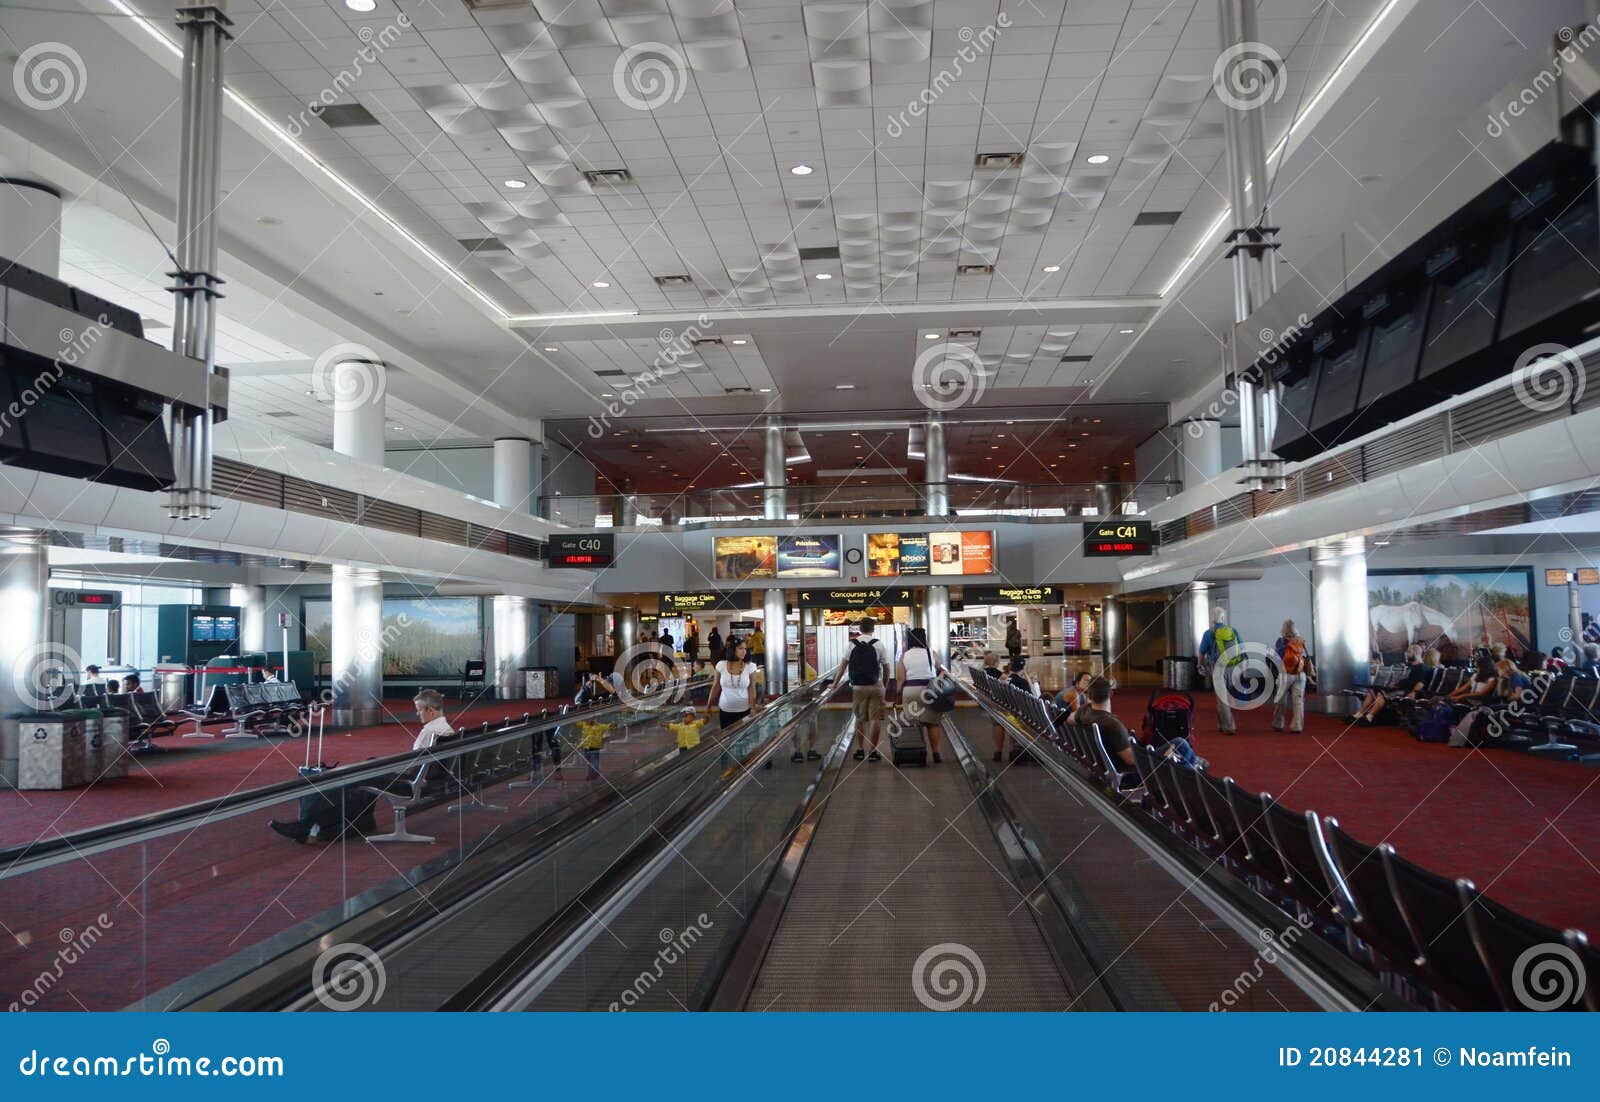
(908, 743)
(337, 813)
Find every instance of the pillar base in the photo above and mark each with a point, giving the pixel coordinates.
(357, 717)
(503, 693)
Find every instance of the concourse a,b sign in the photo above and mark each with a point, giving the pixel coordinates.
(1112, 539)
(586, 549)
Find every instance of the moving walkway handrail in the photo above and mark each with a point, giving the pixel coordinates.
(523, 971)
(32, 856)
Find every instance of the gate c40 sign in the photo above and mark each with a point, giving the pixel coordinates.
(1116, 538)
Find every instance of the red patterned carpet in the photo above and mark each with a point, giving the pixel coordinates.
(1524, 830)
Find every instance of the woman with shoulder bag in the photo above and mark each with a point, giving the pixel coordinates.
(920, 699)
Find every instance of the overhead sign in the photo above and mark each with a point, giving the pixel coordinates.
(1557, 575)
(1588, 575)
(856, 598)
(706, 602)
(86, 598)
(1011, 594)
(1110, 539)
(587, 549)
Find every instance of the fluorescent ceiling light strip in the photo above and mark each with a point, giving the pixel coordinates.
(1283, 143)
(350, 189)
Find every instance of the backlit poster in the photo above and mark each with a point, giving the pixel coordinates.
(808, 557)
(883, 554)
(977, 552)
(913, 554)
(736, 558)
(944, 553)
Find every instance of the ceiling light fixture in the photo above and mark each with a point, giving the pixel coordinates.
(600, 283)
(1099, 159)
(844, 386)
(740, 340)
(1124, 332)
(800, 170)
(516, 185)
(930, 336)
(1052, 267)
(550, 348)
(361, 5)
(824, 275)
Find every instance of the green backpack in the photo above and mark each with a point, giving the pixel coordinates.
(1227, 639)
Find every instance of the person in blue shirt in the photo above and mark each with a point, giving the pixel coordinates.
(1215, 646)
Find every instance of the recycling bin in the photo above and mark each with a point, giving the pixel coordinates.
(50, 750)
(540, 681)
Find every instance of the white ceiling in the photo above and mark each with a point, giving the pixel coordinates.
(466, 101)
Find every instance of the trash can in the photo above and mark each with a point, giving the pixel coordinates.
(50, 750)
(1179, 672)
(173, 687)
(540, 682)
(113, 746)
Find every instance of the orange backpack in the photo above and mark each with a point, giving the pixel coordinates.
(1294, 655)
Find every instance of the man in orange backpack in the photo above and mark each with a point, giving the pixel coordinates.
(1291, 703)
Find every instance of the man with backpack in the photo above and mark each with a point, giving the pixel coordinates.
(868, 671)
(1219, 646)
(1291, 648)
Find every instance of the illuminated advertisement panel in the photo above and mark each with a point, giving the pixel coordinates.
(735, 558)
(808, 557)
(917, 554)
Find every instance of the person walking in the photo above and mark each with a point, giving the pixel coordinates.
(1013, 639)
(1219, 646)
(714, 644)
(1291, 703)
(916, 671)
(868, 671)
(734, 692)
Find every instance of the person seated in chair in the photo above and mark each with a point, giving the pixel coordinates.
(130, 684)
(1113, 732)
(92, 678)
(1589, 664)
(1420, 665)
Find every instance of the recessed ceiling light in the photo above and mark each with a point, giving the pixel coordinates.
(550, 348)
(1099, 159)
(605, 396)
(1052, 267)
(844, 386)
(800, 170)
(1124, 332)
(361, 5)
(930, 336)
(824, 275)
(766, 390)
(600, 283)
(740, 340)
(516, 185)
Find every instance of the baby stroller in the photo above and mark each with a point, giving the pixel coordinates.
(1169, 715)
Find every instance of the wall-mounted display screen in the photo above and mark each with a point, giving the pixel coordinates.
(915, 554)
(735, 558)
(808, 557)
(422, 636)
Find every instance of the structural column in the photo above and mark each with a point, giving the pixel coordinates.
(358, 409)
(357, 645)
(1194, 617)
(1253, 242)
(1342, 635)
(627, 623)
(1200, 448)
(513, 642)
(774, 506)
(28, 664)
(1111, 633)
(936, 502)
(252, 604)
(513, 474)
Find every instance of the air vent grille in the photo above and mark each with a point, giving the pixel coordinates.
(819, 252)
(346, 116)
(998, 161)
(609, 177)
(674, 281)
(483, 244)
(974, 269)
(1496, 414)
(1158, 218)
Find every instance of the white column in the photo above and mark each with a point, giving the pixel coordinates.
(513, 474)
(30, 220)
(28, 664)
(1342, 634)
(1194, 617)
(1200, 446)
(513, 639)
(357, 645)
(358, 404)
(252, 604)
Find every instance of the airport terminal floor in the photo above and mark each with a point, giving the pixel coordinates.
(776, 517)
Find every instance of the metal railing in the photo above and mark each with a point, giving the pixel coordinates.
(849, 499)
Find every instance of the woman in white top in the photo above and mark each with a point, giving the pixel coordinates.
(914, 672)
(734, 691)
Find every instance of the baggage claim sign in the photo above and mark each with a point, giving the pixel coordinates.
(1113, 539)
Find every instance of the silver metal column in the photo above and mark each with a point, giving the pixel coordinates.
(194, 323)
(1111, 634)
(357, 646)
(775, 627)
(936, 621)
(30, 219)
(1253, 243)
(936, 468)
(513, 639)
(513, 474)
(1194, 617)
(28, 663)
(1342, 636)
(627, 621)
(774, 473)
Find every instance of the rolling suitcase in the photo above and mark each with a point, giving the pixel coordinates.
(908, 744)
